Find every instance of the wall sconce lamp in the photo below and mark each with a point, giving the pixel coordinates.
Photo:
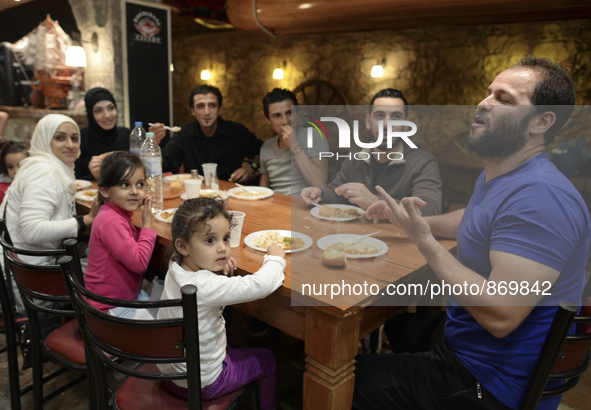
(75, 56)
(377, 71)
(205, 75)
(278, 72)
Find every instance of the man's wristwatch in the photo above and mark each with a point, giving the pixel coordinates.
(254, 165)
(297, 150)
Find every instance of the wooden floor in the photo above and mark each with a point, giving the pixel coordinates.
(579, 398)
(288, 351)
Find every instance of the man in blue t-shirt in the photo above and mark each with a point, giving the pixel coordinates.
(525, 224)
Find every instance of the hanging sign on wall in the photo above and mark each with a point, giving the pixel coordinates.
(147, 80)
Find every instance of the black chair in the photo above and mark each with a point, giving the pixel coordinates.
(110, 340)
(41, 287)
(11, 328)
(15, 323)
(2, 330)
(564, 357)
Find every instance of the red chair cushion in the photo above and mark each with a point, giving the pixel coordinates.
(152, 394)
(572, 354)
(585, 310)
(67, 341)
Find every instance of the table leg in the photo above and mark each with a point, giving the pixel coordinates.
(331, 347)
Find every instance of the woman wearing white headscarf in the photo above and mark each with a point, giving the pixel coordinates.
(39, 205)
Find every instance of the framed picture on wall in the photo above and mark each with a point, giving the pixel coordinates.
(147, 79)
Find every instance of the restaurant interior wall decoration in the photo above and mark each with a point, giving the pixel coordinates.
(432, 66)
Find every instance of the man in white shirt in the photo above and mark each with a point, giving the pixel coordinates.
(287, 165)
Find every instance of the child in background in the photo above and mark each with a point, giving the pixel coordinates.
(12, 153)
(201, 257)
(119, 255)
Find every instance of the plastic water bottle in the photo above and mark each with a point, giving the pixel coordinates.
(152, 158)
(137, 138)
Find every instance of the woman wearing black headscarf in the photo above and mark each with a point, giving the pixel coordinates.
(102, 134)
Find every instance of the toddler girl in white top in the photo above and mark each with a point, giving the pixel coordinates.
(201, 239)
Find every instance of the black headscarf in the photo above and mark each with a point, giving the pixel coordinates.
(92, 97)
(93, 139)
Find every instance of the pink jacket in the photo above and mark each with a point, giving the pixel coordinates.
(119, 255)
(3, 187)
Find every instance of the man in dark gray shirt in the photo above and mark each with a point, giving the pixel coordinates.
(416, 174)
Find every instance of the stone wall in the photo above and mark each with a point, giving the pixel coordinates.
(432, 66)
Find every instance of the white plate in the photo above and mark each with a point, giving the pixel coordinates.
(316, 212)
(249, 240)
(159, 216)
(83, 196)
(326, 241)
(178, 177)
(81, 184)
(263, 192)
(209, 193)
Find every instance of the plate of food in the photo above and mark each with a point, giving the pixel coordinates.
(166, 215)
(291, 241)
(366, 248)
(86, 195)
(337, 212)
(178, 177)
(250, 193)
(81, 184)
(209, 193)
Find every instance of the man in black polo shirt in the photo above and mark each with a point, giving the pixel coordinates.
(210, 138)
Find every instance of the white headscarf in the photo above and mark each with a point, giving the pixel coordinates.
(41, 151)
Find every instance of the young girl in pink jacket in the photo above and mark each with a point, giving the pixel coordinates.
(119, 255)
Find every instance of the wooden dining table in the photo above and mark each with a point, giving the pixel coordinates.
(330, 328)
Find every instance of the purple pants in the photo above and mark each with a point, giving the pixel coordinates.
(241, 367)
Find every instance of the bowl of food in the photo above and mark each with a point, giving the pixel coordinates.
(172, 189)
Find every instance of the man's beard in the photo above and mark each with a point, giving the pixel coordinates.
(506, 138)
